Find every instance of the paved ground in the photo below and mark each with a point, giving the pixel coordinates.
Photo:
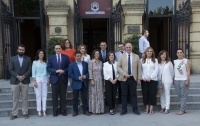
(192, 118)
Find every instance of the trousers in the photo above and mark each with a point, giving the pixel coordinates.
(165, 97)
(41, 92)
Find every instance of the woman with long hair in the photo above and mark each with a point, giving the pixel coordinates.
(165, 75)
(85, 57)
(149, 79)
(41, 81)
(96, 98)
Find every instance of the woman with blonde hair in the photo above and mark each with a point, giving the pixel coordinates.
(149, 79)
(85, 57)
(165, 75)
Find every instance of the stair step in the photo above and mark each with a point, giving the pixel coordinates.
(173, 106)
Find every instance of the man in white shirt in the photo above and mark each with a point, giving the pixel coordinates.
(143, 42)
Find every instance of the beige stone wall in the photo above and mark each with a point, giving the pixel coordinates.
(194, 36)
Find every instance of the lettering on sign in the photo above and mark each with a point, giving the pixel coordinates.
(133, 29)
(95, 9)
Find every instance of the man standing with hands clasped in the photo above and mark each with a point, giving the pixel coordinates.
(57, 66)
(20, 70)
(130, 74)
(78, 71)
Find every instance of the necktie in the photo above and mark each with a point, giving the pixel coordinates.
(113, 72)
(58, 61)
(129, 65)
(104, 56)
(122, 52)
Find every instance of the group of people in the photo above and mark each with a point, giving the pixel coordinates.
(121, 71)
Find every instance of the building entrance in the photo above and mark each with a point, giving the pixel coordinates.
(94, 31)
(160, 37)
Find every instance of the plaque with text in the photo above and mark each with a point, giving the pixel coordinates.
(94, 8)
(133, 29)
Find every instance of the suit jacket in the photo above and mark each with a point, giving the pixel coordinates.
(16, 70)
(101, 58)
(74, 73)
(52, 67)
(122, 67)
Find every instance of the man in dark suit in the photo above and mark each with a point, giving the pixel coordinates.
(20, 70)
(103, 52)
(78, 71)
(58, 68)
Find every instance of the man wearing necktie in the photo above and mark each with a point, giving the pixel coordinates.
(130, 74)
(103, 51)
(57, 66)
(20, 70)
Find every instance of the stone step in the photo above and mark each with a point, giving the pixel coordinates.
(8, 96)
(173, 106)
(32, 102)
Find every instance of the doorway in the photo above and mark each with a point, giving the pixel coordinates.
(28, 34)
(94, 32)
(160, 37)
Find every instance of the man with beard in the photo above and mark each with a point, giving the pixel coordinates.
(20, 70)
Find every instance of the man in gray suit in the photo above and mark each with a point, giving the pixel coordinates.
(20, 70)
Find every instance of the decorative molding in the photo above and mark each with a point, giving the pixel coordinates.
(134, 2)
(57, 4)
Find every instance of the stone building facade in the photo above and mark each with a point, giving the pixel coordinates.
(60, 14)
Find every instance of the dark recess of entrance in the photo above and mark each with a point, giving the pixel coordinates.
(94, 31)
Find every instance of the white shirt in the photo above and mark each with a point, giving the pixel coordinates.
(86, 58)
(143, 44)
(167, 72)
(150, 69)
(131, 62)
(80, 67)
(60, 57)
(180, 69)
(107, 70)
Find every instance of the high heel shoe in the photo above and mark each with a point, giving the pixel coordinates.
(44, 114)
(39, 114)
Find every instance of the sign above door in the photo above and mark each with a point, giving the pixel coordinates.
(95, 8)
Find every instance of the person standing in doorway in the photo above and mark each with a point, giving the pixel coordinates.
(103, 52)
(143, 42)
(182, 79)
(57, 66)
(78, 71)
(20, 70)
(41, 80)
(130, 74)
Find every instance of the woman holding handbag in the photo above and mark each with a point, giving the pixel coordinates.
(149, 79)
(165, 76)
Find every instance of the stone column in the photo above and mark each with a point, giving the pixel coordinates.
(133, 11)
(57, 11)
(194, 37)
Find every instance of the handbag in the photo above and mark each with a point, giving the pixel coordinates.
(160, 85)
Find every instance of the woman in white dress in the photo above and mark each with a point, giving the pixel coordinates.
(165, 74)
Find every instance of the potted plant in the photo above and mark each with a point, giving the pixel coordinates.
(52, 42)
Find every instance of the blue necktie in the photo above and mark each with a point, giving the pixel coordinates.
(129, 65)
(58, 61)
(104, 57)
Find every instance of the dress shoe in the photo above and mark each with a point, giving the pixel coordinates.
(26, 116)
(123, 113)
(55, 114)
(74, 114)
(64, 113)
(13, 117)
(87, 113)
(136, 112)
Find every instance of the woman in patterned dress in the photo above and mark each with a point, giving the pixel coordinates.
(96, 98)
